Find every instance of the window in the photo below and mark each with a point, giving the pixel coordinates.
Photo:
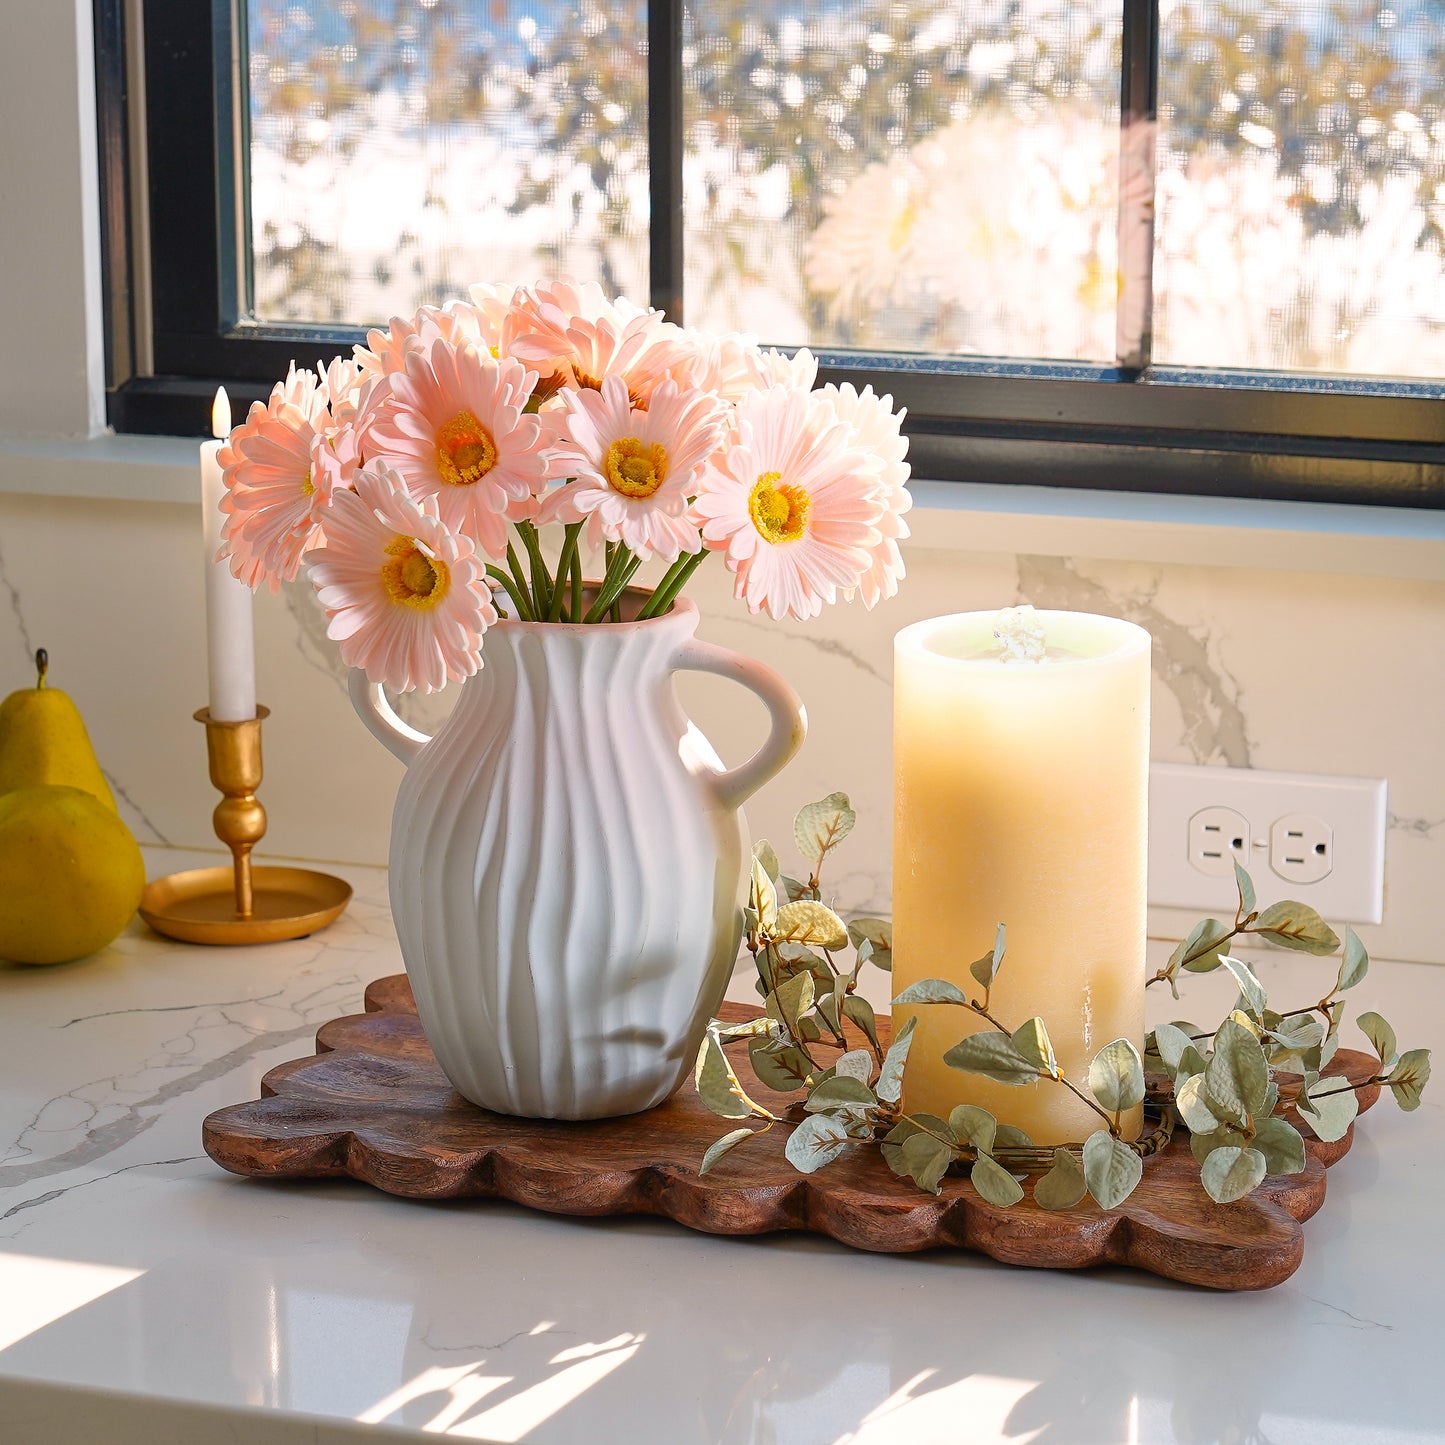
(1163, 245)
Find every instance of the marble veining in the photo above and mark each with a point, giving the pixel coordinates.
(1209, 697)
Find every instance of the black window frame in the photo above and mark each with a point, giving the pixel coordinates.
(1071, 425)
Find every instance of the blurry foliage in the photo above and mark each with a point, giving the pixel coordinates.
(1357, 94)
(1343, 92)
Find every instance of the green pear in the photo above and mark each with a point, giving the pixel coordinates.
(71, 875)
(43, 741)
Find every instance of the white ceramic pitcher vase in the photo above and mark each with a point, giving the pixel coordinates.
(569, 863)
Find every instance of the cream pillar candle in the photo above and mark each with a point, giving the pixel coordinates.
(230, 651)
(1021, 798)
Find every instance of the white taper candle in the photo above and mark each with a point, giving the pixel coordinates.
(230, 649)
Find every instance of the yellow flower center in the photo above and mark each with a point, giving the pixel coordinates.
(902, 226)
(411, 577)
(465, 451)
(780, 513)
(635, 468)
(308, 487)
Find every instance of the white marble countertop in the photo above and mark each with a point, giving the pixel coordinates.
(147, 1296)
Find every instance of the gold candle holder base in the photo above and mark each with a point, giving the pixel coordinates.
(242, 903)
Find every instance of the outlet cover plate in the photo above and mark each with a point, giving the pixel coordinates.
(1354, 809)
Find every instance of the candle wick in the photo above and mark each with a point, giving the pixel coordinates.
(1020, 634)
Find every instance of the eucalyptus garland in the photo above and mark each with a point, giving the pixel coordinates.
(1231, 1086)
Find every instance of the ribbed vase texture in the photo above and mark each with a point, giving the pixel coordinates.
(566, 884)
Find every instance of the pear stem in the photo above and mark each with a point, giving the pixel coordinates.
(42, 666)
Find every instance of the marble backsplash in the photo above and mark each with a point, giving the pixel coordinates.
(1283, 669)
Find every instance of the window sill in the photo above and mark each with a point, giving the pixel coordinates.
(947, 516)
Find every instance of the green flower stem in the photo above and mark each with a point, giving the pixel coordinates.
(620, 567)
(564, 565)
(673, 582)
(576, 613)
(518, 595)
(514, 563)
(541, 578)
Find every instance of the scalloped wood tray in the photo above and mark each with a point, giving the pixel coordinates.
(373, 1104)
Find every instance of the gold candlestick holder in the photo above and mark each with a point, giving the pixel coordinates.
(243, 903)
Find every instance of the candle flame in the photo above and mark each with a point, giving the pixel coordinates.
(221, 414)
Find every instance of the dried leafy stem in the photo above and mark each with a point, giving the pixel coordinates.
(1232, 1086)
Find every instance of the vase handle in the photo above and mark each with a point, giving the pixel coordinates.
(785, 710)
(373, 708)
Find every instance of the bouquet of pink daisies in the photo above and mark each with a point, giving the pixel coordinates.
(413, 479)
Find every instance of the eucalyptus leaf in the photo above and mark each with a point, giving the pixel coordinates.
(1111, 1169)
(750, 1028)
(1203, 1145)
(878, 934)
(861, 1012)
(1063, 1186)
(856, 1064)
(995, 1185)
(765, 897)
(889, 1087)
(1250, 988)
(791, 998)
(926, 1161)
(1380, 1035)
(1191, 1061)
(821, 826)
(1330, 1116)
(838, 1091)
(725, 1146)
(1230, 1173)
(1245, 884)
(1298, 926)
(891, 1145)
(779, 1066)
(717, 1086)
(793, 890)
(1281, 1144)
(1199, 953)
(1355, 963)
(985, 969)
(1295, 1035)
(932, 990)
(1237, 1074)
(817, 1141)
(1010, 1137)
(827, 1005)
(994, 1055)
(1031, 1039)
(1170, 1041)
(1116, 1076)
(1246, 1021)
(1193, 1107)
(974, 1126)
(764, 853)
(1409, 1077)
(809, 922)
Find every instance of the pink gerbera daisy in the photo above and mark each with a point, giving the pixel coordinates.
(792, 504)
(634, 470)
(572, 335)
(776, 368)
(453, 426)
(406, 599)
(876, 428)
(275, 493)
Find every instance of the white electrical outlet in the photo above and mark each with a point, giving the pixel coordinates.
(1320, 840)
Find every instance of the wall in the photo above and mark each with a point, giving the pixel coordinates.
(1273, 668)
